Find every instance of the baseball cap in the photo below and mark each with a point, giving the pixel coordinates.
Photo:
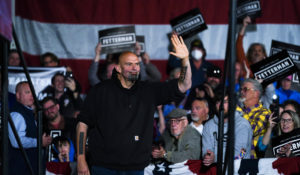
(197, 43)
(214, 71)
(177, 113)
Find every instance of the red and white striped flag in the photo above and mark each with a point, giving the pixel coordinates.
(70, 28)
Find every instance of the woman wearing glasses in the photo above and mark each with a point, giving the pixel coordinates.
(288, 121)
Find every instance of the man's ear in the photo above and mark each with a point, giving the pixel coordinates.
(185, 122)
(257, 94)
(17, 95)
(118, 68)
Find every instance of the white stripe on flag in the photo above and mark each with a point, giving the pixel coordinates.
(79, 41)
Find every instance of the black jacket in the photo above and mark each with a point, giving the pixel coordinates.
(120, 121)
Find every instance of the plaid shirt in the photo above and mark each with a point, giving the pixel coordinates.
(258, 119)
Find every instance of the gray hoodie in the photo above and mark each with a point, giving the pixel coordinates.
(243, 136)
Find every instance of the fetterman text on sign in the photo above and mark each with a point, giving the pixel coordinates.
(274, 68)
(292, 138)
(248, 8)
(293, 50)
(188, 24)
(118, 39)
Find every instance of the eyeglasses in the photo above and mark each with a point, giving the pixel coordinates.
(286, 120)
(245, 89)
(176, 121)
(50, 107)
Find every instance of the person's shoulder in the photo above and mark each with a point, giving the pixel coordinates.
(48, 89)
(191, 131)
(296, 93)
(208, 64)
(242, 122)
(211, 122)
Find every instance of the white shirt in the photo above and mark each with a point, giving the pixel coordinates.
(198, 128)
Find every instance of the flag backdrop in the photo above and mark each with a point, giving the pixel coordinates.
(69, 28)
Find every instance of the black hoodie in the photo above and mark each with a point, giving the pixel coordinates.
(120, 121)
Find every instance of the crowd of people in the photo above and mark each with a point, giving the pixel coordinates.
(113, 129)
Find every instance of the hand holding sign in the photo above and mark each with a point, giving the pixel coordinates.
(246, 21)
(285, 150)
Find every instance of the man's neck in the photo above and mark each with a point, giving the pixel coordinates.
(197, 123)
(197, 63)
(58, 94)
(250, 104)
(56, 120)
(178, 137)
(125, 83)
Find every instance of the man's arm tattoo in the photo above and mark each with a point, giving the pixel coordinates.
(182, 73)
(81, 134)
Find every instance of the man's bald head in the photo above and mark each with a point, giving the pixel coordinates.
(128, 66)
(125, 55)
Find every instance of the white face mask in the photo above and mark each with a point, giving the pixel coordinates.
(197, 54)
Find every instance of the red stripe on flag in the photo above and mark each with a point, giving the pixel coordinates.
(146, 12)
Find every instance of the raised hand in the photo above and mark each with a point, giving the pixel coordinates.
(246, 21)
(98, 49)
(180, 48)
(271, 121)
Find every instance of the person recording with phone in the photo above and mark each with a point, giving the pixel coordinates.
(287, 121)
(65, 91)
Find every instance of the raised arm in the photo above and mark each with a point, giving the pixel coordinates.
(240, 53)
(81, 133)
(246, 22)
(181, 51)
(92, 73)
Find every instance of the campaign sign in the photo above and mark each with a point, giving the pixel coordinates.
(293, 50)
(292, 138)
(249, 8)
(53, 134)
(274, 68)
(118, 39)
(188, 24)
(141, 40)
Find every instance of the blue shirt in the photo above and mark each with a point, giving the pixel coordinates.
(287, 95)
(20, 125)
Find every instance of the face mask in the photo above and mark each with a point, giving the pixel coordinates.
(197, 54)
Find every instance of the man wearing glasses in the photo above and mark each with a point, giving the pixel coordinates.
(182, 141)
(253, 110)
(56, 121)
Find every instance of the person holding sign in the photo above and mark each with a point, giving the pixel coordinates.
(288, 121)
(119, 115)
(255, 53)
